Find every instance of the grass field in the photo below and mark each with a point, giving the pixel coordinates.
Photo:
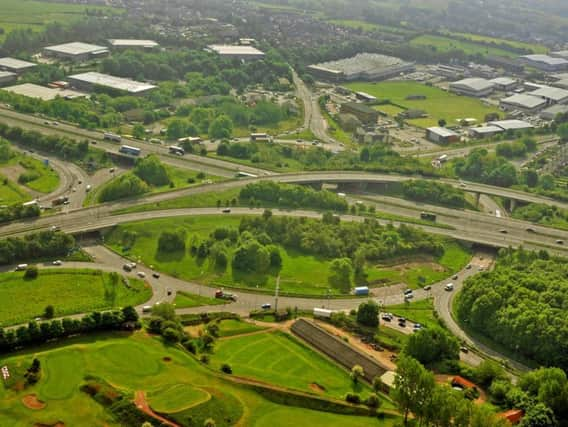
(447, 44)
(416, 311)
(534, 47)
(369, 26)
(11, 193)
(301, 273)
(173, 381)
(187, 300)
(231, 327)
(180, 178)
(278, 358)
(36, 15)
(69, 291)
(45, 179)
(439, 104)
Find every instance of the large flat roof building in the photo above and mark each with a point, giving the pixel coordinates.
(132, 44)
(551, 112)
(90, 80)
(41, 92)
(441, 135)
(363, 112)
(7, 77)
(236, 52)
(522, 102)
(484, 131)
(552, 95)
(504, 83)
(76, 51)
(511, 124)
(364, 66)
(545, 62)
(15, 65)
(473, 86)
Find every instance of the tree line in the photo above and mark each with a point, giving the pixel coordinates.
(522, 305)
(433, 192)
(35, 246)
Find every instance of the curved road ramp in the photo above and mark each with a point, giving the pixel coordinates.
(337, 349)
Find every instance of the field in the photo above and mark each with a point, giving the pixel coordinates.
(301, 274)
(42, 178)
(439, 104)
(535, 48)
(174, 383)
(11, 193)
(36, 15)
(231, 327)
(278, 358)
(69, 291)
(369, 26)
(186, 300)
(447, 44)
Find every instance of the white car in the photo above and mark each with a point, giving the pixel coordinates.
(141, 274)
(57, 262)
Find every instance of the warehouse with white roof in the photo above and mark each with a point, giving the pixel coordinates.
(476, 87)
(76, 51)
(552, 95)
(504, 83)
(545, 62)
(511, 125)
(132, 44)
(236, 52)
(88, 81)
(484, 131)
(15, 65)
(523, 102)
(441, 135)
(7, 77)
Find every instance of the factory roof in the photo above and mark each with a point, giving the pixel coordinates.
(7, 74)
(545, 59)
(76, 48)
(554, 110)
(503, 81)
(45, 93)
(106, 80)
(553, 93)
(560, 54)
(15, 64)
(511, 124)
(362, 63)
(443, 132)
(524, 101)
(473, 83)
(223, 49)
(563, 83)
(132, 43)
(481, 130)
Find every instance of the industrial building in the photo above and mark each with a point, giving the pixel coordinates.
(484, 131)
(15, 65)
(562, 84)
(88, 81)
(560, 54)
(545, 62)
(236, 52)
(364, 113)
(132, 44)
(363, 66)
(551, 112)
(41, 92)
(76, 51)
(504, 83)
(551, 95)
(365, 97)
(441, 135)
(526, 103)
(511, 125)
(474, 86)
(7, 77)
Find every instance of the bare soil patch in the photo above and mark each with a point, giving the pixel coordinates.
(167, 359)
(317, 388)
(31, 401)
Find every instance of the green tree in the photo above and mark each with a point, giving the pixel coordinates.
(138, 131)
(340, 273)
(433, 344)
(152, 171)
(368, 314)
(562, 132)
(49, 312)
(357, 373)
(221, 127)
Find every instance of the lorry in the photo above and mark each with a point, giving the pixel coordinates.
(112, 137)
(174, 149)
(322, 312)
(220, 294)
(361, 290)
(59, 201)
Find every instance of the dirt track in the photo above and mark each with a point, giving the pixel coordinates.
(142, 404)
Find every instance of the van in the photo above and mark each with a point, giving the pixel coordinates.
(147, 309)
(449, 287)
(21, 267)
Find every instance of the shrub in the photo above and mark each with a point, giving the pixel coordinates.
(373, 401)
(226, 368)
(171, 335)
(31, 272)
(49, 312)
(353, 398)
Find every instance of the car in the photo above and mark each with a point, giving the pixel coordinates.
(560, 242)
(66, 202)
(503, 231)
(407, 291)
(57, 262)
(408, 296)
(449, 287)
(266, 306)
(463, 185)
(111, 170)
(299, 140)
(455, 277)
(531, 230)
(156, 275)
(169, 291)
(417, 326)
(54, 228)
(21, 267)
(94, 142)
(55, 124)
(464, 349)
(141, 274)
(226, 210)
(427, 287)
(387, 317)
(468, 267)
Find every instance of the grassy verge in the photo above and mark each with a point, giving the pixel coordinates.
(417, 311)
(187, 300)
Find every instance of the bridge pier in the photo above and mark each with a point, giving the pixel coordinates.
(512, 205)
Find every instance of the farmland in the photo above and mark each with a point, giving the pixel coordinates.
(69, 291)
(36, 15)
(301, 273)
(174, 383)
(438, 104)
(447, 44)
(534, 47)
